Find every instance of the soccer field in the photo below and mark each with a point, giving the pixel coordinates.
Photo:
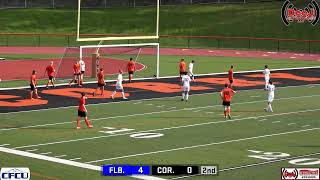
(252, 144)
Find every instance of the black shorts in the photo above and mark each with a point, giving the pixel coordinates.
(182, 73)
(231, 81)
(101, 85)
(130, 72)
(51, 78)
(82, 113)
(82, 72)
(226, 103)
(32, 88)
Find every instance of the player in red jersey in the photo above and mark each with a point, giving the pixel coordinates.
(50, 70)
(76, 73)
(226, 95)
(33, 85)
(131, 68)
(182, 68)
(230, 75)
(82, 111)
(101, 82)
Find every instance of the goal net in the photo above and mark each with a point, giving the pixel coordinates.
(112, 58)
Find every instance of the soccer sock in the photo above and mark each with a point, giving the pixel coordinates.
(130, 77)
(229, 111)
(187, 96)
(78, 122)
(182, 95)
(87, 122)
(270, 108)
(123, 94)
(31, 93)
(225, 113)
(113, 93)
(71, 81)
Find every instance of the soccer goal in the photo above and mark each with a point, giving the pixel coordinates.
(113, 58)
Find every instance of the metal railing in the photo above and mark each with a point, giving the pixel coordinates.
(252, 43)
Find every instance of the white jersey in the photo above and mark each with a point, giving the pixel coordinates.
(266, 73)
(119, 81)
(270, 89)
(186, 83)
(82, 65)
(190, 67)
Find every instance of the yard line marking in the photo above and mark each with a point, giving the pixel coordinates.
(155, 112)
(291, 124)
(149, 104)
(168, 128)
(252, 165)
(4, 145)
(75, 159)
(171, 108)
(236, 116)
(263, 120)
(32, 150)
(111, 128)
(306, 125)
(66, 162)
(63, 155)
(137, 102)
(255, 96)
(275, 122)
(160, 106)
(45, 153)
(203, 145)
(197, 110)
(150, 99)
(209, 112)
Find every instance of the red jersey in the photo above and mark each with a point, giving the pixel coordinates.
(100, 78)
(131, 66)
(230, 74)
(182, 66)
(227, 94)
(33, 80)
(50, 70)
(82, 103)
(76, 68)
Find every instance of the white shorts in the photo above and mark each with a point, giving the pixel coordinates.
(270, 98)
(119, 87)
(186, 88)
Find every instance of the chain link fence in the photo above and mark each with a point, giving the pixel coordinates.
(108, 3)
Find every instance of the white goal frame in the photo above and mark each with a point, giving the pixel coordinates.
(156, 36)
(157, 45)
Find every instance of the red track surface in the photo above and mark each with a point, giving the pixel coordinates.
(20, 69)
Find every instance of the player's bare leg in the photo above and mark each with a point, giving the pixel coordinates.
(79, 80)
(183, 95)
(36, 92)
(113, 94)
(225, 112)
(229, 112)
(78, 123)
(123, 96)
(88, 122)
(187, 96)
(31, 94)
(130, 78)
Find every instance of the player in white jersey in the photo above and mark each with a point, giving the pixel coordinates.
(119, 86)
(270, 88)
(185, 87)
(266, 73)
(82, 70)
(190, 69)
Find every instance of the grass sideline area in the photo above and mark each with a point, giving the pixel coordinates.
(169, 65)
(261, 20)
(197, 126)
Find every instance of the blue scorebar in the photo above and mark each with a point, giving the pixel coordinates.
(125, 170)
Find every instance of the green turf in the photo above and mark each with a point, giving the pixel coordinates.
(169, 65)
(195, 123)
(253, 20)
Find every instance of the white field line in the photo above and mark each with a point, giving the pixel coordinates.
(252, 165)
(305, 125)
(171, 108)
(261, 120)
(75, 159)
(163, 129)
(63, 155)
(147, 99)
(65, 162)
(276, 122)
(203, 145)
(291, 124)
(197, 110)
(45, 153)
(160, 106)
(4, 145)
(209, 112)
(155, 112)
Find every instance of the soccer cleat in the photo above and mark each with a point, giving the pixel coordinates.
(229, 116)
(39, 97)
(124, 98)
(112, 97)
(181, 99)
(186, 100)
(78, 127)
(90, 126)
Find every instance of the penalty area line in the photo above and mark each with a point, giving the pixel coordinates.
(66, 162)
